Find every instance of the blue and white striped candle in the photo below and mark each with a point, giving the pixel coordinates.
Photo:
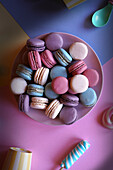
(75, 154)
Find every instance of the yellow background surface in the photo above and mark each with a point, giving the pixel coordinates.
(12, 39)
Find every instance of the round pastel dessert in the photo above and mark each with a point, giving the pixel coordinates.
(49, 93)
(35, 44)
(62, 57)
(92, 76)
(53, 109)
(18, 85)
(54, 41)
(79, 83)
(47, 58)
(60, 85)
(24, 103)
(68, 115)
(24, 72)
(39, 103)
(41, 75)
(34, 60)
(107, 118)
(35, 90)
(57, 71)
(78, 51)
(69, 100)
(88, 98)
(77, 67)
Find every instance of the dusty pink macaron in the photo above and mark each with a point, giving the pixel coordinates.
(92, 76)
(34, 60)
(60, 85)
(77, 67)
(54, 41)
(47, 58)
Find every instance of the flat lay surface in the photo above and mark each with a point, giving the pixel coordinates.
(51, 144)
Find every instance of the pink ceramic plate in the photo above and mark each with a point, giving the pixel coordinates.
(91, 60)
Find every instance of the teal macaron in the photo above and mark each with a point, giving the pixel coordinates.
(35, 90)
(88, 98)
(24, 72)
(63, 57)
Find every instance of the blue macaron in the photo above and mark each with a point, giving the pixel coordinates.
(63, 57)
(35, 90)
(49, 93)
(88, 98)
(24, 72)
(58, 71)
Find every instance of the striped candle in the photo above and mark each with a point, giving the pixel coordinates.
(71, 3)
(75, 154)
(17, 159)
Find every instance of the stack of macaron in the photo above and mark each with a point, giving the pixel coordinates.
(56, 80)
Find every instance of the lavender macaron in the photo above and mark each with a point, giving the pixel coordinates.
(54, 41)
(24, 103)
(68, 115)
(34, 44)
(69, 100)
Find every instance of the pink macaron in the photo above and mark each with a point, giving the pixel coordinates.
(47, 58)
(77, 67)
(92, 76)
(34, 60)
(60, 85)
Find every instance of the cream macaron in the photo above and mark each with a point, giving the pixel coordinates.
(39, 103)
(41, 75)
(78, 51)
(53, 109)
(79, 83)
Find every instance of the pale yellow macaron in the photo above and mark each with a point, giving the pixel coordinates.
(79, 83)
(78, 51)
(53, 109)
(41, 75)
(39, 103)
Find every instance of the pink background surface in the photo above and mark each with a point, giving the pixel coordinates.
(50, 144)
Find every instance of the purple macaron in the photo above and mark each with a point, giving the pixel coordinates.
(54, 41)
(69, 100)
(68, 115)
(34, 44)
(24, 103)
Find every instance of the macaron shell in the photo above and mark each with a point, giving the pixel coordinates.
(88, 98)
(18, 85)
(78, 51)
(92, 76)
(68, 115)
(79, 83)
(54, 41)
(60, 85)
(47, 59)
(49, 93)
(57, 71)
(34, 60)
(39, 100)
